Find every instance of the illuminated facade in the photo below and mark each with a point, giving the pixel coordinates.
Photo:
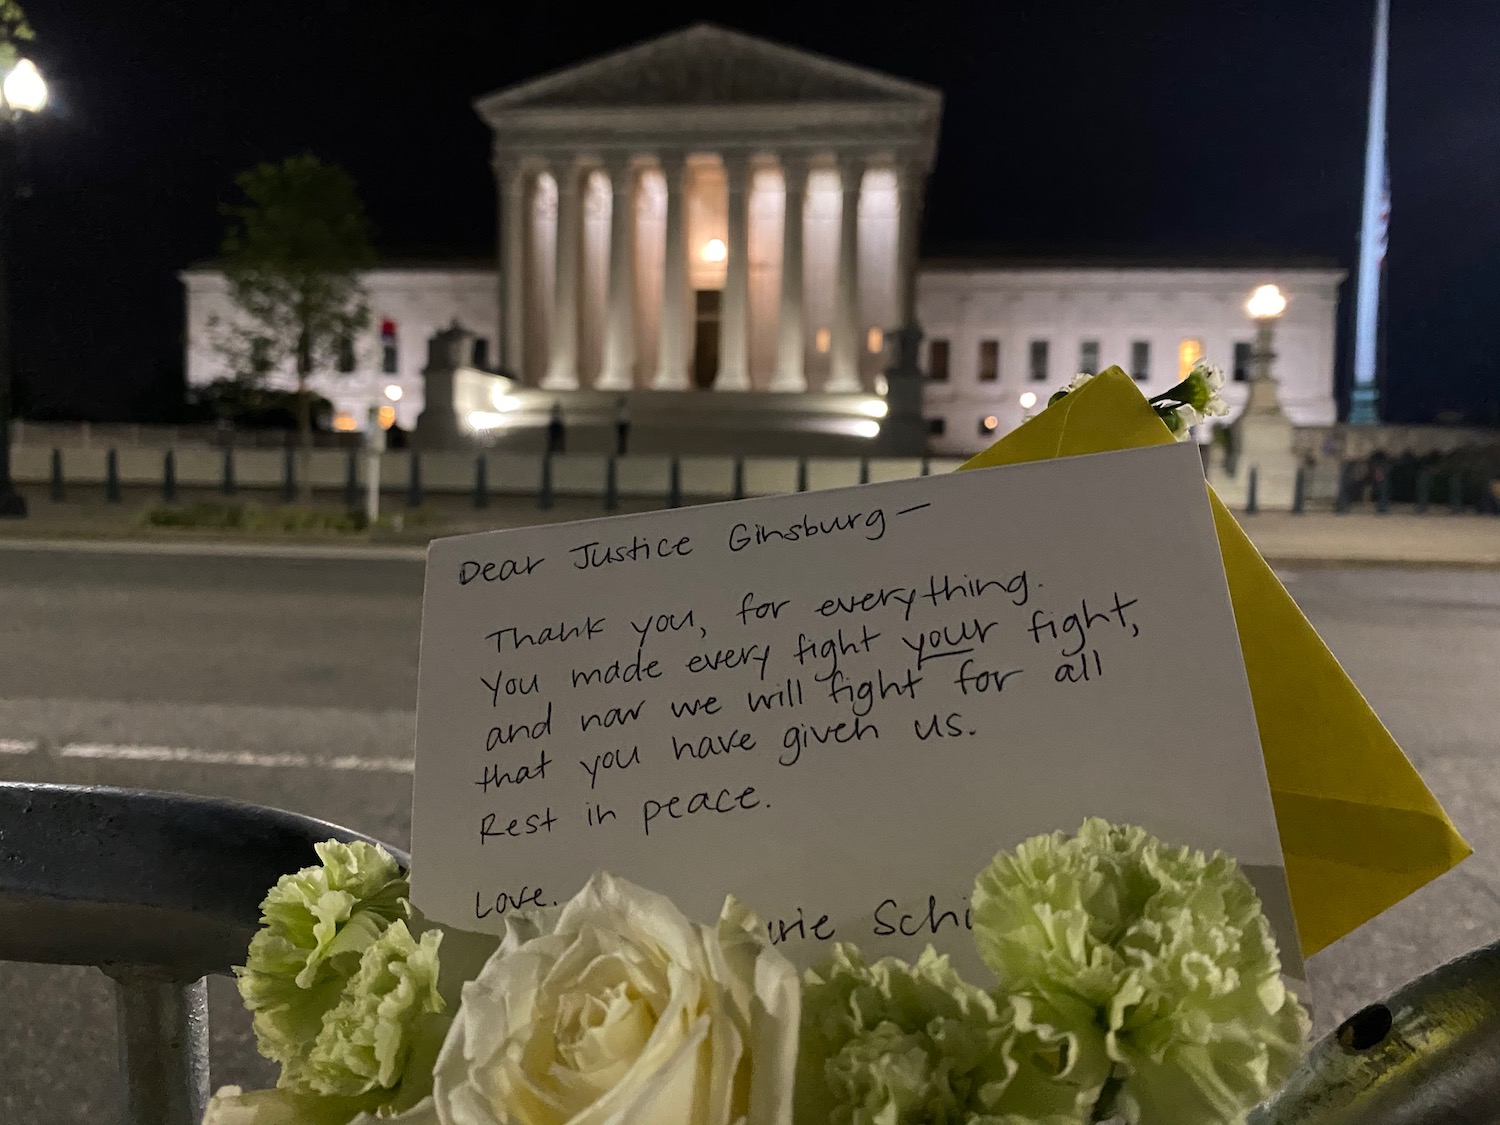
(708, 211)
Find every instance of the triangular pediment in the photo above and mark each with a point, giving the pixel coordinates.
(707, 65)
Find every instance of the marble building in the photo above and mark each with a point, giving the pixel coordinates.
(709, 214)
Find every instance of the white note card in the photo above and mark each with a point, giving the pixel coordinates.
(837, 706)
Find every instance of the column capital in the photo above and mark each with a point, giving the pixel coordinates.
(851, 168)
(794, 169)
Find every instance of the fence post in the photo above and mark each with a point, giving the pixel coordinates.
(674, 484)
(1424, 489)
(1341, 499)
(1251, 489)
(351, 480)
(801, 474)
(112, 476)
(611, 485)
(227, 486)
(1456, 492)
(1299, 491)
(926, 466)
(864, 470)
(481, 485)
(739, 478)
(544, 493)
(57, 476)
(1383, 492)
(288, 475)
(414, 483)
(169, 476)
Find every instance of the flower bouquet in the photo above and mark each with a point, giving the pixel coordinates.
(1133, 980)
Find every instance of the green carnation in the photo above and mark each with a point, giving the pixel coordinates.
(899, 1044)
(315, 928)
(1165, 951)
(368, 1036)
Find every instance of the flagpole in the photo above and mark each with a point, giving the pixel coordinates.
(1364, 398)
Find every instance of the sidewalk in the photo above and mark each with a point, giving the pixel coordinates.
(1405, 538)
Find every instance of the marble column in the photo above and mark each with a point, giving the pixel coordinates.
(909, 177)
(843, 374)
(671, 365)
(513, 184)
(791, 344)
(618, 373)
(734, 312)
(562, 367)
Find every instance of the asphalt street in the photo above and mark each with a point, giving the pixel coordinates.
(292, 682)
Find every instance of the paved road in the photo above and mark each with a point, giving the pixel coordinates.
(292, 682)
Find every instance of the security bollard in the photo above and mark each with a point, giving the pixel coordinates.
(57, 476)
(739, 478)
(112, 477)
(1456, 492)
(1383, 493)
(1341, 499)
(674, 485)
(611, 486)
(801, 474)
(864, 470)
(414, 483)
(1424, 489)
(288, 475)
(169, 476)
(1299, 491)
(1251, 489)
(481, 484)
(544, 493)
(926, 467)
(351, 480)
(227, 485)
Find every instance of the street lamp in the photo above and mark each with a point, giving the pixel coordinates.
(22, 91)
(1265, 305)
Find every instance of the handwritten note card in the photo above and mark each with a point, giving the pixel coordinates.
(836, 705)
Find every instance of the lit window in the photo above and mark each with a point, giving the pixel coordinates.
(1039, 361)
(822, 340)
(937, 360)
(989, 361)
(1242, 357)
(1088, 357)
(345, 423)
(387, 417)
(937, 426)
(346, 355)
(875, 340)
(988, 424)
(1189, 352)
(1140, 360)
(480, 356)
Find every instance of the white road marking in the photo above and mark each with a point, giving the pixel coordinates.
(339, 551)
(188, 755)
(17, 745)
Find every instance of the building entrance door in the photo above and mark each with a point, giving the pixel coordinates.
(706, 337)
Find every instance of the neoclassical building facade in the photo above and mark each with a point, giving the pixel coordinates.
(711, 214)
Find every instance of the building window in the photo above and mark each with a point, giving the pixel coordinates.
(1039, 361)
(989, 361)
(875, 341)
(1088, 357)
(260, 356)
(1243, 356)
(388, 361)
(346, 355)
(937, 360)
(387, 417)
(822, 340)
(344, 423)
(1140, 360)
(937, 427)
(1189, 352)
(481, 354)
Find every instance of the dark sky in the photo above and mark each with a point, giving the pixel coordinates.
(1071, 126)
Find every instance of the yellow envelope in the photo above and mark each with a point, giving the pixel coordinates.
(1359, 828)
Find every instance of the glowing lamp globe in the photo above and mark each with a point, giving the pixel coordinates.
(24, 88)
(1266, 303)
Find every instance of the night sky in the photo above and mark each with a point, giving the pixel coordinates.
(1070, 127)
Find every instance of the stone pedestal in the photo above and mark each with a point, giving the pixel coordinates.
(437, 426)
(1263, 439)
(903, 431)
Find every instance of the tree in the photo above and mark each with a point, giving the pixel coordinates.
(292, 259)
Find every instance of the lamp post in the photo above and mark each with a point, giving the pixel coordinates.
(1265, 306)
(22, 91)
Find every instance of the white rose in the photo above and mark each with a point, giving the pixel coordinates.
(619, 1011)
